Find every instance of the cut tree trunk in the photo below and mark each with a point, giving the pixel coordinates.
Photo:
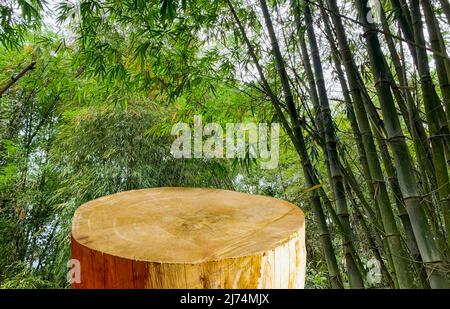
(188, 238)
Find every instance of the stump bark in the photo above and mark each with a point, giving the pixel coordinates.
(188, 238)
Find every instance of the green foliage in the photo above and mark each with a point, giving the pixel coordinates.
(16, 18)
(66, 139)
(131, 43)
(24, 278)
(95, 114)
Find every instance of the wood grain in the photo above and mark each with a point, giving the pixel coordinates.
(189, 238)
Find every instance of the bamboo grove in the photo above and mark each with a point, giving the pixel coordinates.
(361, 89)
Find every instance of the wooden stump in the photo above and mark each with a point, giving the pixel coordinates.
(189, 238)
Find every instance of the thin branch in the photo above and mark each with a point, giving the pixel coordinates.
(15, 78)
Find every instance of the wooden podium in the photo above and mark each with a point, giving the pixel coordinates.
(188, 238)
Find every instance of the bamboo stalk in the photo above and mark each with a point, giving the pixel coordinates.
(400, 151)
(308, 170)
(391, 231)
(336, 177)
(15, 78)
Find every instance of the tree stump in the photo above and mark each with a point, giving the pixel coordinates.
(188, 238)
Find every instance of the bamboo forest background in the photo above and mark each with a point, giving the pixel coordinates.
(89, 92)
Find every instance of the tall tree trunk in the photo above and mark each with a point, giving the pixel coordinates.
(308, 170)
(337, 180)
(420, 144)
(435, 35)
(390, 227)
(427, 183)
(434, 113)
(412, 28)
(348, 103)
(417, 129)
(404, 18)
(372, 243)
(402, 159)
